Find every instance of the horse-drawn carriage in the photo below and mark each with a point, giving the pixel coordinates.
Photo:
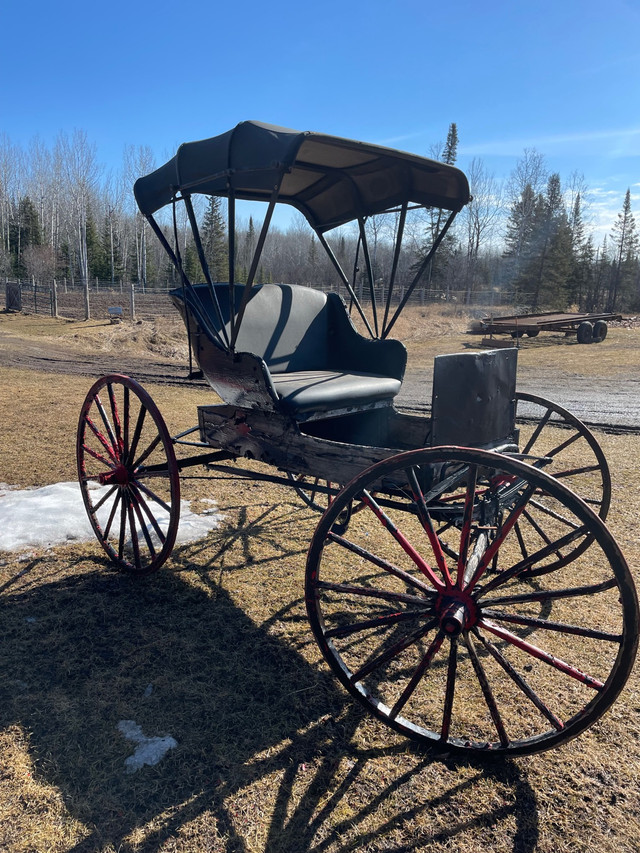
(461, 581)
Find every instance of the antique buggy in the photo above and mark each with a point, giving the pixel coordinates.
(461, 581)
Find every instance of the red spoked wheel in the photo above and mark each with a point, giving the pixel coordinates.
(431, 616)
(128, 474)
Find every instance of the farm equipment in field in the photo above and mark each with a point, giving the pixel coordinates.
(461, 581)
(588, 328)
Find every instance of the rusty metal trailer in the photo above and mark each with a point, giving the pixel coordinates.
(589, 328)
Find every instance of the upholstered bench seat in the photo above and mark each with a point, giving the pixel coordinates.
(308, 391)
(296, 351)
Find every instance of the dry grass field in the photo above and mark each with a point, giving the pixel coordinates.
(215, 651)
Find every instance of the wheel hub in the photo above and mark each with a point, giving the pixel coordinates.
(457, 612)
(118, 476)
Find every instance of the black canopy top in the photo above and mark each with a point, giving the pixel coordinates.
(329, 179)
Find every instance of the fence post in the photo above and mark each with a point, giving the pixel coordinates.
(54, 298)
(132, 302)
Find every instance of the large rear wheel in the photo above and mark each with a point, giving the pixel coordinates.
(553, 439)
(128, 474)
(430, 614)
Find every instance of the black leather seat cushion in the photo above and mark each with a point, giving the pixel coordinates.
(307, 391)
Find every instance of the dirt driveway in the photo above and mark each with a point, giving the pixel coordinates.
(600, 384)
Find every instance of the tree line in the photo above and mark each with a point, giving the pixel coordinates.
(525, 241)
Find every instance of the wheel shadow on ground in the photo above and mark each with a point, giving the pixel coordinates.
(270, 753)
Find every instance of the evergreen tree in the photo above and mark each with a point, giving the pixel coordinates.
(24, 231)
(520, 227)
(436, 275)
(214, 240)
(191, 263)
(547, 253)
(450, 152)
(625, 258)
(558, 265)
(97, 257)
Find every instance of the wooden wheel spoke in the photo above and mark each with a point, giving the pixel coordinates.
(147, 453)
(467, 520)
(550, 595)
(136, 434)
(126, 403)
(370, 592)
(375, 622)
(540, 532)
(112, 514)
(115, 415)
(520, 538)
(519, 681)
(143, 527)
(537, 556)
(381, 563)
(104, 498)
(399, 537)
(507, 525)
(447, 711)
(147, 511)
(489, 698)
(563, 446)
(135, 545)
(393, 651)
(542, 655)
(548, 625)
(427, 523)
(553, 514)
(152, 495)
(536, 433)
(418, 674)
(111, 450)
(572, 472)
(105, 420)
(123, 526)
(108, 463)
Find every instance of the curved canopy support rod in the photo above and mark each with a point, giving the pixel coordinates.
(231, 196)
(176, 260)
(423, 266)
(367, 261)
(204, 264)
(394, 267)
(344, 279)
(255, 261)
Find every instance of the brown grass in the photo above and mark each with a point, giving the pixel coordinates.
(272, 755)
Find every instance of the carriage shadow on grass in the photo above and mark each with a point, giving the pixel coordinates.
(259, 729)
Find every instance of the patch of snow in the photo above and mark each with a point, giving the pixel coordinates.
(55, 515)
(149, 750)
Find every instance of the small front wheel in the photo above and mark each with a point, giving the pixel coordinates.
(128, 474)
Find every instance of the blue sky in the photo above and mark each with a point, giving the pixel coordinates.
(562, 77)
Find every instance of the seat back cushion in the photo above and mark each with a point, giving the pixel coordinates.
(284, 324)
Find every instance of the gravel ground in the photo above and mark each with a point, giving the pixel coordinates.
(596, 400)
